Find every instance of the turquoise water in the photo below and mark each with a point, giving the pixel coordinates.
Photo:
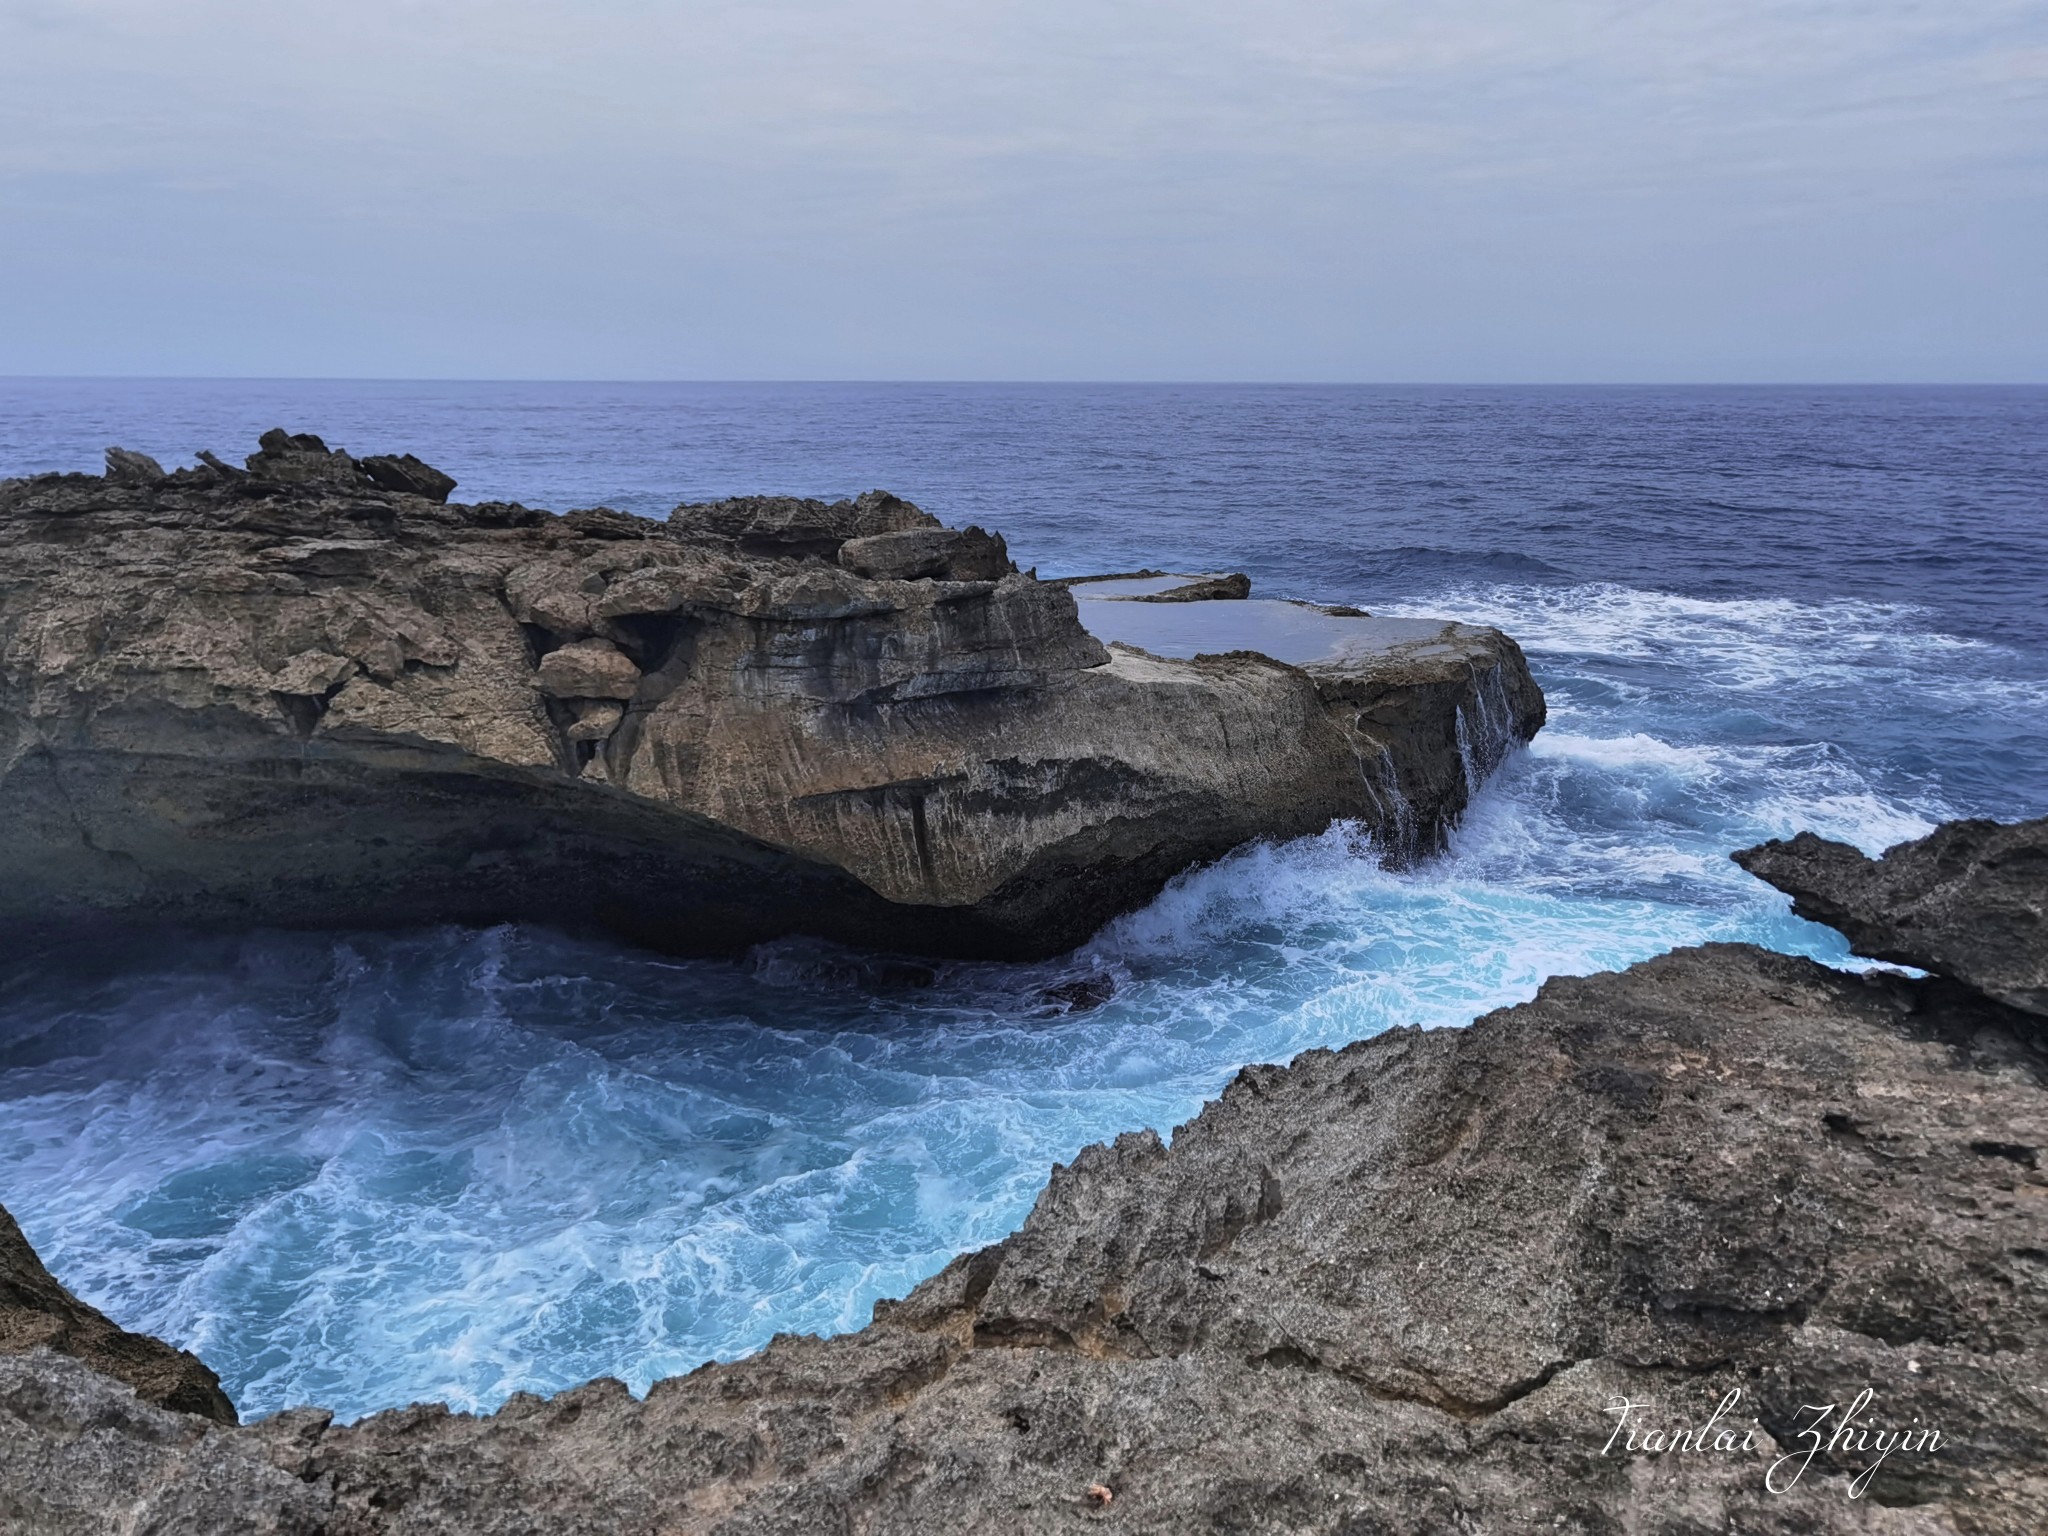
(361, 1170)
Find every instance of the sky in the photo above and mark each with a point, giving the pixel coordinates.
(1423, 191)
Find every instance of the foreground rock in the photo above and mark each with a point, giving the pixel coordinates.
(1401, 1287)
(36, 1313)
(1970, 900)
(312, 692)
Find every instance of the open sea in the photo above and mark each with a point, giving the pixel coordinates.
(361, 1170)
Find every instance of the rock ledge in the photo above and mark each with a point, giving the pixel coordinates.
(310, 691)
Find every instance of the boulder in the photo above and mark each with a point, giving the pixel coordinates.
(591, 668)
(408, 475)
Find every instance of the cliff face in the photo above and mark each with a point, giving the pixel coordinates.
(310, 692)
(1405, 1286)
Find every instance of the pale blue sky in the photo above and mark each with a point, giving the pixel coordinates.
(1029, 189)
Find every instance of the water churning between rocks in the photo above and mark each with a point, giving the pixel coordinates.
(365, 1169)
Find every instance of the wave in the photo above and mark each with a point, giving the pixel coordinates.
(1410, 562)
(449, 1165)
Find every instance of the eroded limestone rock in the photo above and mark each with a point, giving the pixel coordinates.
(308, 691)
(590, 668)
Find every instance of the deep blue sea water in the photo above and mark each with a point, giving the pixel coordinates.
(361, 1170)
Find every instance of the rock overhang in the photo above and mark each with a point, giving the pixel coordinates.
(843, 686)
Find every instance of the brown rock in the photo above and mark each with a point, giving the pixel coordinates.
(591, 668)
(299, 696)
(38, 1313)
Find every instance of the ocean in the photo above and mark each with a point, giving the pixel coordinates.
(361, 1170)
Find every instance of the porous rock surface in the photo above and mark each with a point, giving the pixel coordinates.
(1395, 1288)
(1969, 900)
(312, 691)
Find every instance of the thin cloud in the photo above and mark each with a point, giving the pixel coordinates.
(1365, 189)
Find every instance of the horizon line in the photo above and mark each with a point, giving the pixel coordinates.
(1079, 383)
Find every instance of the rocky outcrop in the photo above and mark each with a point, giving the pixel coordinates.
(1970, 900)
(1475, 1280)
(310, 691)
(36, 1313)
(1203, 589)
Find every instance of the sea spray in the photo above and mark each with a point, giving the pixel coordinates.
(361, 1170)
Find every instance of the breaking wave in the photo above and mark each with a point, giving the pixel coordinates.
(362, 1170)
(450, 1165)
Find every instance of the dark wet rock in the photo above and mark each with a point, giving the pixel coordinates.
(1970, 900)
(919, 554)
(1081, 993)
(1397, 1287)
(125, 467)
(403, 472)
(830, 968)
(36, 1313)
(297, 693)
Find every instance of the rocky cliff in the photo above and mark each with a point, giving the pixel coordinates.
(312, 691)
(1624, 1259)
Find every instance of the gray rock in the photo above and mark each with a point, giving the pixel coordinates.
(286, 458)
(1970, 900)
(919, 554)
(294, 695)
(591, 668)
(126, 467)
(792, 525)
